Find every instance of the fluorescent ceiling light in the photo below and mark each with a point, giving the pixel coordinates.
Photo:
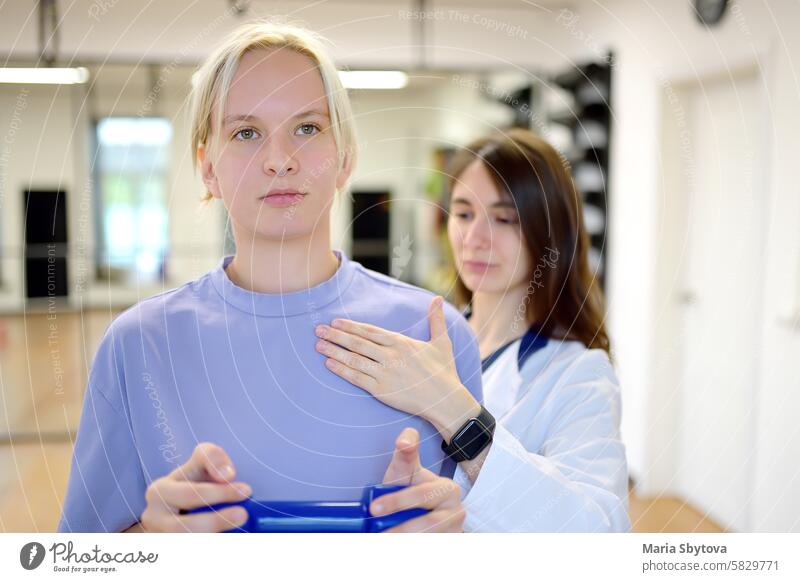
(373, 79)
(127, 131)
(44, 75)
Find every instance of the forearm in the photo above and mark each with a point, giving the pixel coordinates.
(473, 468)
(135, 528)
(523, 491)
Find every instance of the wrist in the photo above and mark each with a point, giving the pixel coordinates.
(453, 412)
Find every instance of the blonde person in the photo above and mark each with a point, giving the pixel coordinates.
(545, 454)
(213, 392)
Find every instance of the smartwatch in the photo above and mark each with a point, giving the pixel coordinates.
(469, 440)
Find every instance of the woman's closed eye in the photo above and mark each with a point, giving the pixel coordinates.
(463, 215)
(506, 220)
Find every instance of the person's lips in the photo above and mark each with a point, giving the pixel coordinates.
(282, 197)
(478, 266)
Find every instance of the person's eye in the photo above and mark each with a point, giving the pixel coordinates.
(245, 134)
(462, 215)
(307, 129)
(506, 220)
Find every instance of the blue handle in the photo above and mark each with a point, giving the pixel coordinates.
(319, 516)
(384, 522)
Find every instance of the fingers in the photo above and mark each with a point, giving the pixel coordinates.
(355, 377)
(354, 343)
(442, 496)
(437, 320)
(349, 359)
(205, 479)
(449, 520)
(209, 462)
(439, 493)
(405, 460)
(373, 333)
(173, 495)
(206, 521)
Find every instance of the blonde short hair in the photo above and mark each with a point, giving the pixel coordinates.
(212, 81)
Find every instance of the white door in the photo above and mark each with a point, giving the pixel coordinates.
(720, 296)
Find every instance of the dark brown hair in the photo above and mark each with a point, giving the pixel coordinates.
(563, 296)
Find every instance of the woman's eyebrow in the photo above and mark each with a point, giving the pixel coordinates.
(501, 204)
(238, 117)
(308, 112)
(504, 204)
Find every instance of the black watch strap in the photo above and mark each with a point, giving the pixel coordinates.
(473, 436)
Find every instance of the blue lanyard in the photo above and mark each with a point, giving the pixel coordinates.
(531, 342)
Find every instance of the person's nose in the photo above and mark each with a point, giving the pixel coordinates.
(478, 235)
(279, 159)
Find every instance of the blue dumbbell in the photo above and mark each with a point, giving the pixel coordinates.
(319, 516)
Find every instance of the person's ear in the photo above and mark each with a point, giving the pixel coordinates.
(344, 173)
(207, 172)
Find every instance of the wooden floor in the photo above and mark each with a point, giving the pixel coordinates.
(44, 359)
(668, 514)
(43, 371)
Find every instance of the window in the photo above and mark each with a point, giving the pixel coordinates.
(131, 177)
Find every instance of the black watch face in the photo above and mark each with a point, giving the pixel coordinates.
(471, 439)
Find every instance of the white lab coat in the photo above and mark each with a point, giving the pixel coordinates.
(556, 463)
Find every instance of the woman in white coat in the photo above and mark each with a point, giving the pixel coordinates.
(545, 453)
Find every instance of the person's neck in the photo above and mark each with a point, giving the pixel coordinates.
(267, 266)
(498, 318)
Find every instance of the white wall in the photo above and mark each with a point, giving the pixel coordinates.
(777, 478)
(656, 45)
